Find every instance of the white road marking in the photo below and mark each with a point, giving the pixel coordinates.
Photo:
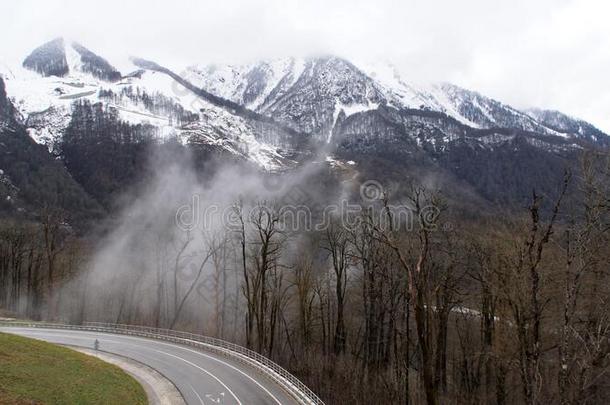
(202, 369)
(196, 393)
(215, 399)
(234, 368)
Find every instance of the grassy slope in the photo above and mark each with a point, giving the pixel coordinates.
(34, 372)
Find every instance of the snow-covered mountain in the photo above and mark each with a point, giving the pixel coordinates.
(370, 113)
(60, 57)
(305, 94)
(61, 72)
(30, 177)
(309, 95)
(564, 124)
(276, 114)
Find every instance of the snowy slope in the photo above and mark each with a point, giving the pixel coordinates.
(44, 103)
(305, 94)
(564, 124)
(466, 106)
(319, 98)
(310, 94)
(249, 85)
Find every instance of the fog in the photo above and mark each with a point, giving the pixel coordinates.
(171, 257)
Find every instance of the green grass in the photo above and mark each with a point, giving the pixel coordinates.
(35, 372)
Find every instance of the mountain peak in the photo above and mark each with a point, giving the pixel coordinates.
(308, 94)
(566, 124)
(49, 59)
(59, 57)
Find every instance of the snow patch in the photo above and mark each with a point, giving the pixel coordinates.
(348, 109)
(72, 57)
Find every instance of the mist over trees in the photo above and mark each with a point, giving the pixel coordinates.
(437, 310)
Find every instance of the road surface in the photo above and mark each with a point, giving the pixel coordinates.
(201, 377)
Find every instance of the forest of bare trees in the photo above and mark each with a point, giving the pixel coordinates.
(506, 309)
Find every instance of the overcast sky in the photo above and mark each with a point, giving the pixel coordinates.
(549, 53)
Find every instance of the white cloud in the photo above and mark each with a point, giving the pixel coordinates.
(547, 53)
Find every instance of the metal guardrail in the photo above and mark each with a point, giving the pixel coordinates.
(271, 370)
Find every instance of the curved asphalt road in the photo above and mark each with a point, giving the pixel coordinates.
(202, 378)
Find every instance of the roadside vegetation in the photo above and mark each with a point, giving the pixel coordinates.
(35, 372)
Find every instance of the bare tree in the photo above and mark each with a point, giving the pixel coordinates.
(53, 238)
(416, 260)
(209, 245)
(304, 285)
(521, 286)
(583, 347)
(265, 275)
(238, 212)
(336, 242)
